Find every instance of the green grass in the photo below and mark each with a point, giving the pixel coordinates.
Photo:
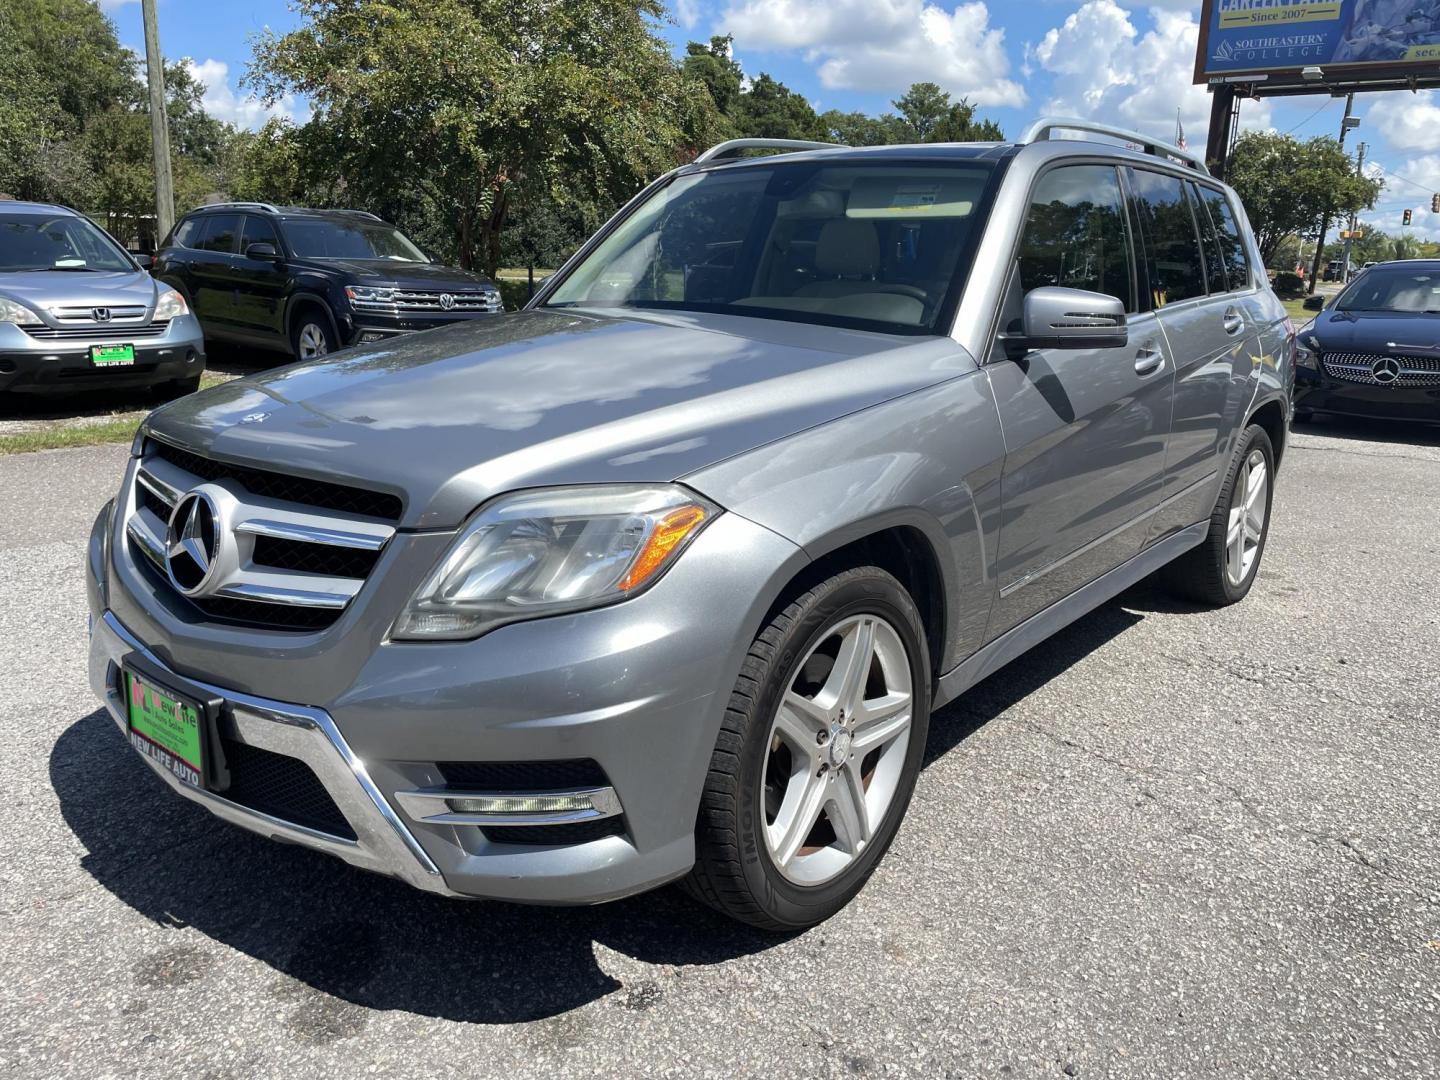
(63, 434)
(1297, 311)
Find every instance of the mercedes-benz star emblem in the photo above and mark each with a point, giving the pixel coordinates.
(447, 301)
(1386, 370)
(100, 314)
(192, 543)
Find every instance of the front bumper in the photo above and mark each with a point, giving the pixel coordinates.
(638, 688)
(361, 327)
(1318, 392)
(39, 365)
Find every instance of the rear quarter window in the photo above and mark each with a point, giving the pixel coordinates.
(185, 233)
(1233, 255)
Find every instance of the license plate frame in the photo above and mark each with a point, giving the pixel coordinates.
(181, 736)
(112, 354)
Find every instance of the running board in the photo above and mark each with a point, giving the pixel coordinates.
(1057, 616)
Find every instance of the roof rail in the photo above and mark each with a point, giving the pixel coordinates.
(362, 213)
(732, 147)
(1042, 130)
(236, 205)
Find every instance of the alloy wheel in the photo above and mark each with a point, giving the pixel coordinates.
(837, 749)
(1249, 506)
(311, 342)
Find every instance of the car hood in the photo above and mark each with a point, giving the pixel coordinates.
(44, 289)
(1378, 331)
(453, 416)
(400, 275)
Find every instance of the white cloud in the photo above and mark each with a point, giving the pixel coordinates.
(1408, 121)
(884, 45)
(224, 103)
(1105, 70)
(687, 12)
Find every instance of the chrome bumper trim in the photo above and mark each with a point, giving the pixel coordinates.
(383, 842)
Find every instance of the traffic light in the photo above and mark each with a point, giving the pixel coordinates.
(1408, 215)
(1435, 203)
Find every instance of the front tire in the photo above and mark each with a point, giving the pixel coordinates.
(311, 337)
(1222, 569)
(817, 756)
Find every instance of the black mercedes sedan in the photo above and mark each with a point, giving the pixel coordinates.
(1374, 351)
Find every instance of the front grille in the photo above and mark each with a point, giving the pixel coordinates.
(321, 494)
(405, 301)
(86, 313)
(1415, 371)
(283, 787)
(518, 776)
(98, 332)
(296, 553)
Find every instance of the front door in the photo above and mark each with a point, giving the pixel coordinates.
(1085, 429)
(260, 283)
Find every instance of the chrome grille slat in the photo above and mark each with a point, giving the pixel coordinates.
(1415, 371)
(304, 588)
(110, 331)
(428, 300)
(86, 314)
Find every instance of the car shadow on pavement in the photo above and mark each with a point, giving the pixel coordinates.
(1378, 431)
(330, 931)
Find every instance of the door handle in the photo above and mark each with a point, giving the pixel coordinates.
(1149, 360)
(1233, 321)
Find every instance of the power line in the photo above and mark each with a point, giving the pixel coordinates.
(1312, 116)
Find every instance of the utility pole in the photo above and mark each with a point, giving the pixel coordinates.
(1354, 217)
(1346, 123)
(159, 127)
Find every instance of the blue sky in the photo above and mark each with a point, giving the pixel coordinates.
(1123, 62)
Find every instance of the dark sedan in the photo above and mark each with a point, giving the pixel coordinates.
(1375, 350)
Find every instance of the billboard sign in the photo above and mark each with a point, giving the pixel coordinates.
(1278, 38)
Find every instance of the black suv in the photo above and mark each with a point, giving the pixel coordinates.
(311, 281)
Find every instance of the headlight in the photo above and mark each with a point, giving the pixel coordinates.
(368, 295)
(171, 305)
(551, 551)
(19, 314)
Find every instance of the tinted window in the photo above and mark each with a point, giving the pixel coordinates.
(878, 245)
(1414, 290)
(1232, 249)
(59, 242)
(349, 238)
(1214, 265)
(1076, 235)
(1172, 249)
(258, 231)
(219, 233)
(186, 232)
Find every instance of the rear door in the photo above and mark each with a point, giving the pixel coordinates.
(212, 265)
(1085, 429)
(1210, 330)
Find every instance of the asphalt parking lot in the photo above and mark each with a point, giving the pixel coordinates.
(1168, 842)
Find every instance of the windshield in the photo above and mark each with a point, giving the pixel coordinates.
(872, 245)
(62, 242)
(1393, 288)
(319, 238)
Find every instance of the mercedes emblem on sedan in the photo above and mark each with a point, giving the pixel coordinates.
(192, 544)
(1386, 370)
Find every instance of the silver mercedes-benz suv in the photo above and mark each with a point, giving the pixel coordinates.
(77, 310)
(662, 577)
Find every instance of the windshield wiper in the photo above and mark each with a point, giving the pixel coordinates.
(72, 269)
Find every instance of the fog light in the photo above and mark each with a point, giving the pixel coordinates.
(521, 804)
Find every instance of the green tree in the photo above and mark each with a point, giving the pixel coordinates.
(1288, 186)
(928, 115)
(462, 108)
(769, 109)
(714, 67)
(861, 129)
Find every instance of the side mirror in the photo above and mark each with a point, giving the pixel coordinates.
(145, 261)
(261, 251)
(1314, 303)
(1056, 318)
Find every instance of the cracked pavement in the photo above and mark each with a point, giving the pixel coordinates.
(1167, 842)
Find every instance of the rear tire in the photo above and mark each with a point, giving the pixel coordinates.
(1223, 568)
(841, 755)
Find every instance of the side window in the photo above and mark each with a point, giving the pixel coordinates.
(1233, 255)
(1076, 234)
(186, 232)
(219, 234)
(258, 231)
(1214, 265)
(1172, 248)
